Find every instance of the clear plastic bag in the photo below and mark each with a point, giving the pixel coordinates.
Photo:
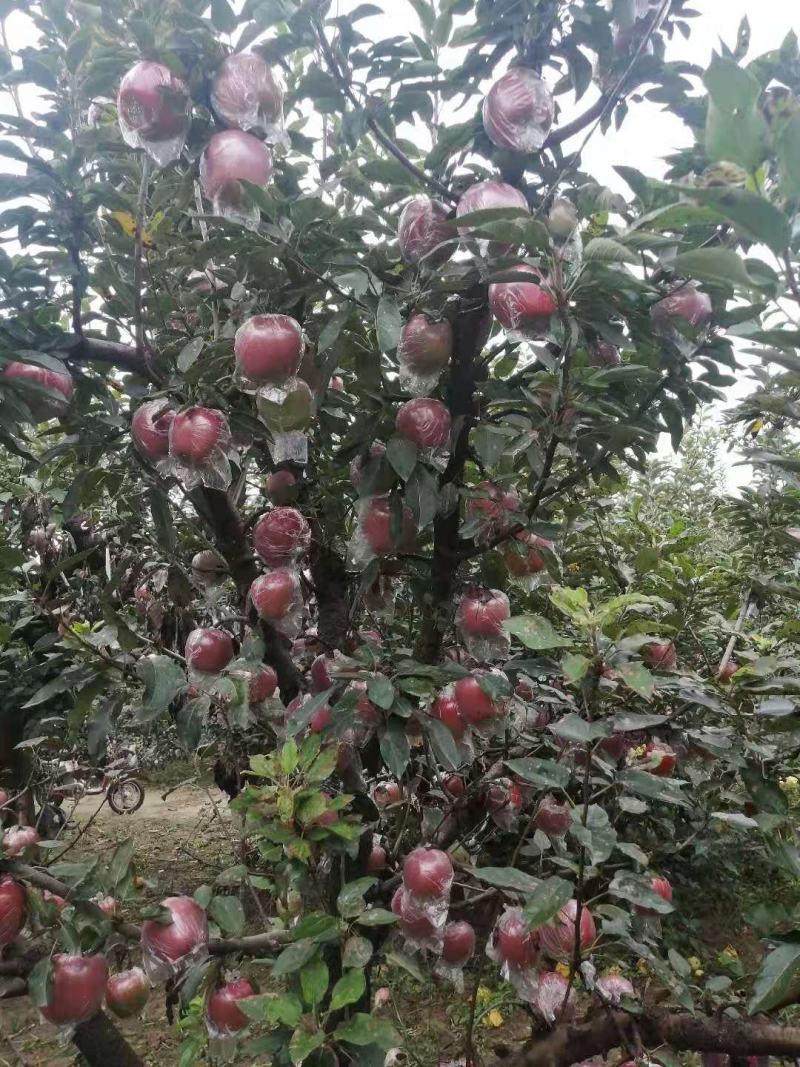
(278, 598)
(555, 1000)
(373, 533)
(199, 449)
(480, 618)
(423, 232)
(246, 94)
(268, 350)
(518, 111)
(153, 111)
(423, 353)
(281, 536)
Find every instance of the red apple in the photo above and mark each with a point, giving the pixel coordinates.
(518, 111)
(4, 798)
(523, 556)
(208, 568)
(42, 407)
(222, 1010)
(482, 613)
(428, 872)
(613, 987)
(196, 433)
(17, 838)
(262, 685)
(230, 157)
(514, 941)
(276, 594)
(454, 786)
(268, 348)
(445, 709)
(423, 233)
(425, 346)
(413, 921)
(685, 305)
(554, 997)
(186, 932)
(660, 655)
(245, 94)
(459, 943)
(376, 452)
(484, 196)
(321, 719)
(208, 650)
(321, 678)
(522, 306)
(425, 422)
(660, 759)
(504, 796)
(55, 899)
(385, 793)
(557, 938)
(79, 983)
(377, 860)
(12, 909)
(552, 816)
(281, 536)
(728, 671)
(127, 992)
(474, 705)
(152, 104)
(282, 487)
(376, 527)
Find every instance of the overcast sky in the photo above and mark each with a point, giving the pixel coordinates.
(648, 133)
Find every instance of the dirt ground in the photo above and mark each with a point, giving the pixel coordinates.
(181, 842)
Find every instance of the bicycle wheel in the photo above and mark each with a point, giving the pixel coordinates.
(126, 797)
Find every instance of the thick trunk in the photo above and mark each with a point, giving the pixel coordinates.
(102, 1045)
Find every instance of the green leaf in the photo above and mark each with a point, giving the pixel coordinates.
(163, 679)
(443, 744)
(357, 951)
(575, 667)
(787, 147)
(402, 455)
(289, 757)
(598, 836)
(381, 691)
(189, 354)
(777, 978)
(406, 963)
(716, 266)
(631, 720)
(285, 1009)
(606, 250)
(506, 878)
(422, 495)
(638, 678)
(736, 131)
(574, 603)
(348, 990)
(753, 216)
(293, 958)
(350, 901)
(40, 983)
(314, 979)
(119, 864)
(388, 323)
(303, 1043)
(364, 1029)
(650, 785)
(228, 914)
(376, 917)
(395, 746)
(534, 632)
(547, 900)
(573, 728)
(542, 772)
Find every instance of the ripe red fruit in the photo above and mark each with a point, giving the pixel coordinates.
(54, 898)
(554, 998)
(491, 510)
(685, 305)
(523, 556)
(557, 938)
(518, 111)
(524, 307)
(195, 433)
(613, 987)
(152, 104)
(209, 650)
(486, 195)
(445, 709)
(127, 992)
(321, 719)
(208, 568)
(42, 407)
(459, 943)
(385, 793)
(377, 860)
(425, 346)
(482, 613)
(173, 940)
(474, 705)
(275, 594)
(245, 94)
(376, 527)
(17, 838)
(425, 422)
(552, 816)
(282, 487)
(268, 348)
(423, 233)
(321, 678)
(660, 655)
(12, 909)
(413, 921)
(427, 872)
(660, 759)
(281, 535)
(222, 1010)
(728, 671)
(79, 983)
(454, 786)
(515, 943)
(230, 157)
(262, 685)
(504, 796)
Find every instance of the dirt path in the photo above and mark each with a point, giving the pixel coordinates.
(181, 842)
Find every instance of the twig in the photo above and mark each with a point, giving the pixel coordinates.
(81, 832)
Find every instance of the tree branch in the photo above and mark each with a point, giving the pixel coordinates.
(99, 350)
